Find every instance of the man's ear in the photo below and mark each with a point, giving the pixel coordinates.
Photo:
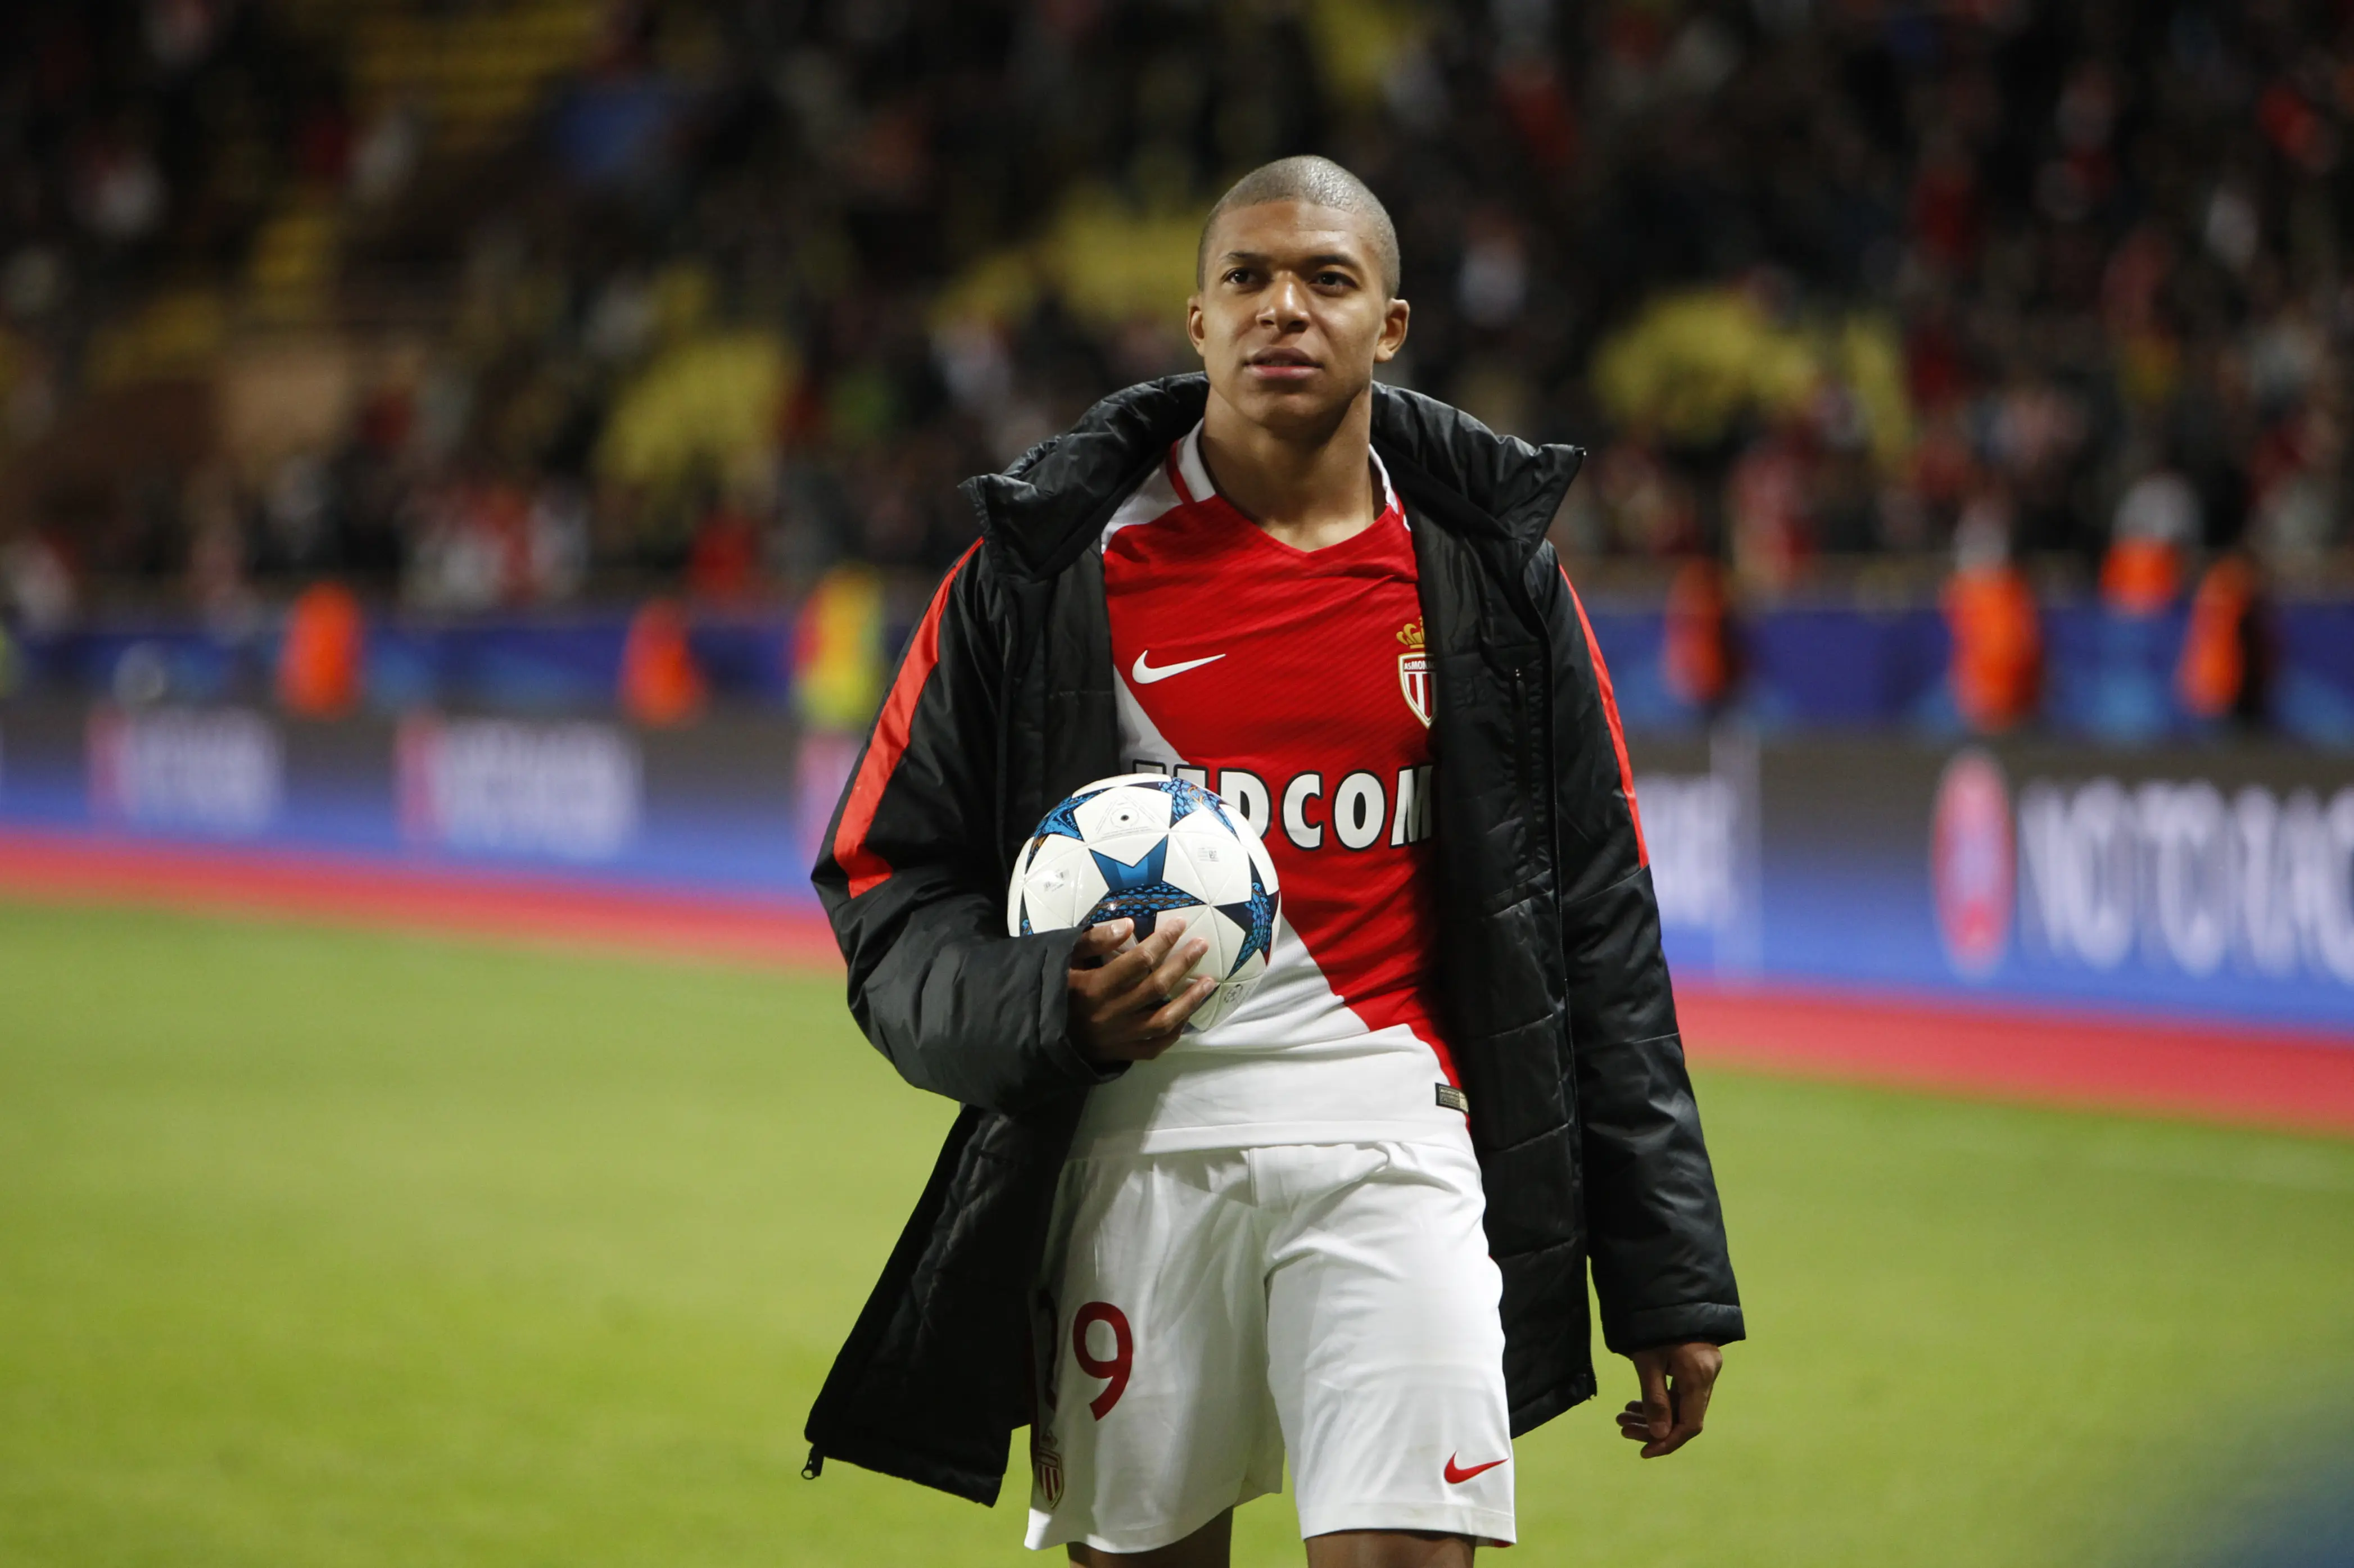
(1394, 326)
(1197, 330)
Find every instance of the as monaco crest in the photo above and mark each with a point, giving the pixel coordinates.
(1414, 671)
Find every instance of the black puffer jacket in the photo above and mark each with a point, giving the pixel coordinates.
(1555, 994)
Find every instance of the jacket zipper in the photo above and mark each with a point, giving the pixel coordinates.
(1521, 721)
(1529, 770)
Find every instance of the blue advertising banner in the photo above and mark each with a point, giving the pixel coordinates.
(714, 806)
(2201, 882)
(2205, 881)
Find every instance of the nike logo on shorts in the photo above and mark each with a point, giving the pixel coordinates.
(1145, 674)
(1456, 1476)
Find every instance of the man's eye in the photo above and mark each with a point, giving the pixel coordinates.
(1334, 280)
(1237, 275)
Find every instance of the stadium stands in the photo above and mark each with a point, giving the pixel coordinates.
(485, 307)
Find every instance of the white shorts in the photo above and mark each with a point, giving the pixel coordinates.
(1204, 1311)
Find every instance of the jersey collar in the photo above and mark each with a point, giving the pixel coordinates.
(1191, 476)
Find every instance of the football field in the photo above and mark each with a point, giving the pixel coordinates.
(330, 1249)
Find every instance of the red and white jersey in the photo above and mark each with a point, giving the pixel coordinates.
(1292, 683)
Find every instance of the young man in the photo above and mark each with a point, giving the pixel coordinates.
(1353, 1220)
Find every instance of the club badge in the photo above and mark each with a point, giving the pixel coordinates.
(1414, 671)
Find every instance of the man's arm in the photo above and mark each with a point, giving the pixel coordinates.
(908, 876)
(1656, 1234)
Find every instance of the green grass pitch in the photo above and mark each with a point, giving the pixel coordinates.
(333, 1249)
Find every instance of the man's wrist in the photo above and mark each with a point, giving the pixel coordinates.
(1717, 1322)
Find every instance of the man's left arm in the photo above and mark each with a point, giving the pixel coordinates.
(1655, 1231)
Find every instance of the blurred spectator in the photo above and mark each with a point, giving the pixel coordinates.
(1769, 506)
(838, 653)
(724, 564)
(320, 659)
(2294, 480)
(219, 553)
(1700, 659)
(387, 154)
(40, 585)
(2157, 520)
(1991, 615)
(476, 551)
(118, 187)
(661, 683)
(2224, 663)
(559, 544)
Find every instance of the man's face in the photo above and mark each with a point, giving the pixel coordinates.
(1292, 314)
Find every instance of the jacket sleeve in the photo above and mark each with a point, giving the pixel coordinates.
(1656, 1232)
(908, 877)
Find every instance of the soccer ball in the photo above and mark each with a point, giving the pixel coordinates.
(1144, 848)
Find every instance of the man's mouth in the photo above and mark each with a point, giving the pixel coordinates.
(1281, 364)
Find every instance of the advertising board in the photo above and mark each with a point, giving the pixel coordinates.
(2207, 882)
(710, 806)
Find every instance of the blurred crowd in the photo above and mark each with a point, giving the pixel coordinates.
(498, 302)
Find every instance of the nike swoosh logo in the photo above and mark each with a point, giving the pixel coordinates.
(1456, 1477)
(1145, 674)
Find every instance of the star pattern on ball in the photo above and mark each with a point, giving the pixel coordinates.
(1186, 798)
(1121, 876)
(1064, 820)
(1255, 916)
(1143, 905)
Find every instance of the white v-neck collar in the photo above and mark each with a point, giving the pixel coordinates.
(1199, 486)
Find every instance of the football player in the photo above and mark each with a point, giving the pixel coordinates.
(1352, 1221)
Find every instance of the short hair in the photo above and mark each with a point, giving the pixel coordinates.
(1319, 181)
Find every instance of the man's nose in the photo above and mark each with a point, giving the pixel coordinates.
(1285, 305)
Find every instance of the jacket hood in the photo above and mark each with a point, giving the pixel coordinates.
(1043, 511)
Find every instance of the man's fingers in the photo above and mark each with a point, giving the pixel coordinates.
(1657, 1412)
(1100, 942)
(1695, 1382)
(1672, 1410)
(1171, 1016)
(1124, 973)
(1136, 1002)
(1153, 973)
(1681, 1431)
(1693, 1391)
(1162, 1030)
(1169, 974)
